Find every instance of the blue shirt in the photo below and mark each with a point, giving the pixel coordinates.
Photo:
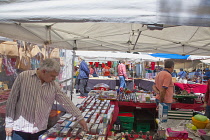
(197, 73)
(207, 74)
(182, 74)
(174, 74)
(83, 71)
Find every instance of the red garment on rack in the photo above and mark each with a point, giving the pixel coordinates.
(152, 65)
(91, 63)
(96, 64)
(103, 65)
(109, 63)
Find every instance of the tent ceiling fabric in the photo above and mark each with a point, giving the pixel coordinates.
(95, 36)
(107, 25)
(172, 12)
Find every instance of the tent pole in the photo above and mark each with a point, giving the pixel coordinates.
(132, 67)
(66, 81)
(202, 74)
(143, 70)
(72, 82)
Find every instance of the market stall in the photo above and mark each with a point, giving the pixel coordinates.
(108, 25)
(102, 116)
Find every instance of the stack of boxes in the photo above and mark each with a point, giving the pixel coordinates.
(97, 114)
(127, 120)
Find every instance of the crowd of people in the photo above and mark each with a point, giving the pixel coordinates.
(195, 75)
(83, 72)
(163, 86)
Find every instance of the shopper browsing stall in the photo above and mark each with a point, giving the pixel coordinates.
(207, 74)
(93, 71)
(174, 74)
(31, 99)
(99, 70)
(163, 84)
(122, 74)
(182, 74)
(83, 77)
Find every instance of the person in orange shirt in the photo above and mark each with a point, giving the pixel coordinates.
(163, 84)
(106, 70)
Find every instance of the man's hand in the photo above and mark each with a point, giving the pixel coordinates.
(8, 131)
(155, 89)
(162, 94)
(83, 124)
(161, 99)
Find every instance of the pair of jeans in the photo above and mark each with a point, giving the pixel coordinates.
(207, 113)
(83, 86)
(18, 135)
(122, 82)
(168, 104)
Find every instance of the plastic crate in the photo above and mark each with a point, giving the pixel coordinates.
(186, 100)
(126, 117)
(144, 127)
(126, 125)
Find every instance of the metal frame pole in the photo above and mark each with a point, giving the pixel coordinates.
(72, 80)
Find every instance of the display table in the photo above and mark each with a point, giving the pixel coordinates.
(112, 83)
(176, 123)
(114, 118)
(196, 88)
(142, 105)
(144, 84)
(196, 107)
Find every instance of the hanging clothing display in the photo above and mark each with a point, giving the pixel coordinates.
(8, 66)
(109, 63)
(96, 64)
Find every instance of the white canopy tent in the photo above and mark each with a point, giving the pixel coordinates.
(184, 40)
(171, 12)
(207, 61)
(197, 57)
(116, 56)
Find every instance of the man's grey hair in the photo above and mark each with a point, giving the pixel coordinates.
(50, 65)
(169, 64)
(82, 57)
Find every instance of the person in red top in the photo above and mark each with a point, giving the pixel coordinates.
(163, 84)
(207, 100)
(122, 74)
(106, 70)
